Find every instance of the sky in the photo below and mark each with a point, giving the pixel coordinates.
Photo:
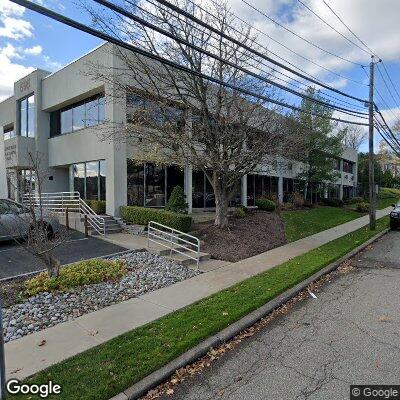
(29, 41)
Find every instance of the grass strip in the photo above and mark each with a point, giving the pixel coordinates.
(106, 370)
(302, 223)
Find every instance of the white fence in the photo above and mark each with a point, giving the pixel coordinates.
(60, 202)
(174, 240)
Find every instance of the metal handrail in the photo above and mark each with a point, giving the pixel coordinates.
(59, 201)
(169, 237)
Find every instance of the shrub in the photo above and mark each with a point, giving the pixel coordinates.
(98, 206)
(354, 200)
(176, 202)
(239, 212)
(78, 274)
(332, 202)
(362, 207)
(308, 204)
(143, 215)
(265, 204)
(298, 199)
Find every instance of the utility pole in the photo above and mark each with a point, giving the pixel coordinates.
(2, 357)
(372, 195)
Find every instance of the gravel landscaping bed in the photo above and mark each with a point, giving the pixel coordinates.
(147, 272)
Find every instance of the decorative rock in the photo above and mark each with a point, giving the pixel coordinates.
(146, 272)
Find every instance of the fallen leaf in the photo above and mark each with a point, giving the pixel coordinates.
(15, 371)
(170, 392)
(42, 343)
(224, 313)
(384, 318)
(93, 333)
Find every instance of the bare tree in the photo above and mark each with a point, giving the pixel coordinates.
(32, 225)
(353, 136)
(177, 117)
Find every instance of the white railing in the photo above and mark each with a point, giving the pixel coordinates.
(174, 240)
(59, 202)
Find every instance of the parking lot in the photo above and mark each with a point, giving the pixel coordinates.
(15, 260)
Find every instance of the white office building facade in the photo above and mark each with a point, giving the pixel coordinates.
(60, 118)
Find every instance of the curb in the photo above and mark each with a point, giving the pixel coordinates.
(157, 377)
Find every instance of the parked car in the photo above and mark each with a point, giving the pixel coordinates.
(16, 220)
(395, 216)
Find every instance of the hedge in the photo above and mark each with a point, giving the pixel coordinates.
(332, 202)
(362, 207)
(143, 215)
(265, 204)
(98, 206)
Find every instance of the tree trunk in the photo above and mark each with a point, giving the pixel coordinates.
(221, 212)
(52, 265)
(221, 202)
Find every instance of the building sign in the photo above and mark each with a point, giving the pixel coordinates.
(25, 85)
(10, 153)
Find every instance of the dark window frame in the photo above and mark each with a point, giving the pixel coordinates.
(55, 116)
(26, 116)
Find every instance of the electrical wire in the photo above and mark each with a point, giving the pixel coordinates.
(288, 82)
(282, 45)
(84, 28)
(348, 28)
(299, 36)
(170, 35)
(267, 58)
(332, 27)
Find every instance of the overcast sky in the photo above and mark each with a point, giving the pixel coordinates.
(29, 41)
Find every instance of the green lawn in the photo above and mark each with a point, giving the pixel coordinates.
(387, 197)
(107, 369)
(302, 223)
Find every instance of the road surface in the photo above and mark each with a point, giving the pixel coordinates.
(350, 334)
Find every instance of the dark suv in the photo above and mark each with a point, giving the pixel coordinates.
(395, 217)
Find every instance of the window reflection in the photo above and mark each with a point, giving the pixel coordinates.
(27, 116)
(90, 180)
(155, 185)
(9, 133)
(87, 113)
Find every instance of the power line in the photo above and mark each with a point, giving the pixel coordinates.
(253, 58)
(387, 87)
(267, 58)
(84, 28)
(390, 79)
(280, 44)
(348, 28)
(168, 34)
(299, 36)
(332, 27)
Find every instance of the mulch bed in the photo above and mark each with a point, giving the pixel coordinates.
(258, 232)
(10, 291)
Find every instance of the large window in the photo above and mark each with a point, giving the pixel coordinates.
(347, 166)
(151, 185)
(155, 185)
(9, 133)
(87, 113)
(145, 111)
(26, 181)
(90, 180)
(135, 183)
(27, 116)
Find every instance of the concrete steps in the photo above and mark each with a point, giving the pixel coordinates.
(111, 225)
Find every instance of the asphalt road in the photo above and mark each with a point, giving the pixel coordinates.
(348, 335)
(15, 260)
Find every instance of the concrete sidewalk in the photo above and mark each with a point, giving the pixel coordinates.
(24, 356)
